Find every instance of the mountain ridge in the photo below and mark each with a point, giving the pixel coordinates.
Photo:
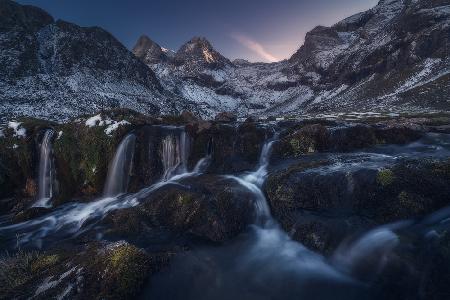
(393, 57)
(373, 60)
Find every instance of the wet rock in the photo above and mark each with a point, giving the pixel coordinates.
(308, 139)
(233, 148)
(208, 207)
(318, 137)
(30, 213)
(409, 189)
(97, 269)
(226, 117)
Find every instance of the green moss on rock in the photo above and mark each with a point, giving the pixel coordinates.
(44, 262)
(125, 272)
(385, 177)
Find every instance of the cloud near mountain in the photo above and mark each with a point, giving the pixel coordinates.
(254, 46)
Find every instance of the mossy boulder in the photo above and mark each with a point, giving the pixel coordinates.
(308, 139)
(82, 155)
(409, 189)
(94, 270)
(125, 269)
(206, 207)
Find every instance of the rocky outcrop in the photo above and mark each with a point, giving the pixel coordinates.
(233, 148)
(320, 206)
(318, 137)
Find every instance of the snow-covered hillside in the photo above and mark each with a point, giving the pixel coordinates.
(57, 70)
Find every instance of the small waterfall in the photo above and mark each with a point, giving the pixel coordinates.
(175, 154)
(185, 146)
(120, 167)
(45, 180)
(253, 181)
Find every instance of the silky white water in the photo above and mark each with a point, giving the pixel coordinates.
(46, 171)
(72, 219)
(175, 154)
(120, 168)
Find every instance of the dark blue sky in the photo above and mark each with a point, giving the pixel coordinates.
(258, 30)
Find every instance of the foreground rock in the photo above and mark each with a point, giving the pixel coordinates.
(98, 269)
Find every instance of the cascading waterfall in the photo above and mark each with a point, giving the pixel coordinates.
(120, 167)
(278, 246)
(46, 170)
(170, 156)
(175, 154)
(73, 219)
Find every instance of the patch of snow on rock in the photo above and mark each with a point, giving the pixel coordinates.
(18, 130)
(114, 125)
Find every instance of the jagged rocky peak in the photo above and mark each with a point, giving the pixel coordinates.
(199, 53)
(149, 51)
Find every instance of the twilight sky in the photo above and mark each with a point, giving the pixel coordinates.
(257, 30)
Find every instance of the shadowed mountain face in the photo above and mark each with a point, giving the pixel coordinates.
(58, 70)
(392, 57)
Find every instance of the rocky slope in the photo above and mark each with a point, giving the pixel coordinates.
(57, 70)
(392, 57)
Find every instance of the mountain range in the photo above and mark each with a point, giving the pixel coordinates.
(393, 57)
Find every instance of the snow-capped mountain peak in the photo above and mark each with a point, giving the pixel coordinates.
(198, 54)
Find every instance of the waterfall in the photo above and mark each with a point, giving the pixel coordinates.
(175, 154)
(120, 167)
(45, 180)
(185, 145)
(253, 182)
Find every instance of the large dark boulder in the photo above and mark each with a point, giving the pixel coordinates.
(208, 207)
(320, 206)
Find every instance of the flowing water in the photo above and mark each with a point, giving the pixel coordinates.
(46, 170)
(120, 168)
(73, 219)
(263, 262)
(175, 154)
